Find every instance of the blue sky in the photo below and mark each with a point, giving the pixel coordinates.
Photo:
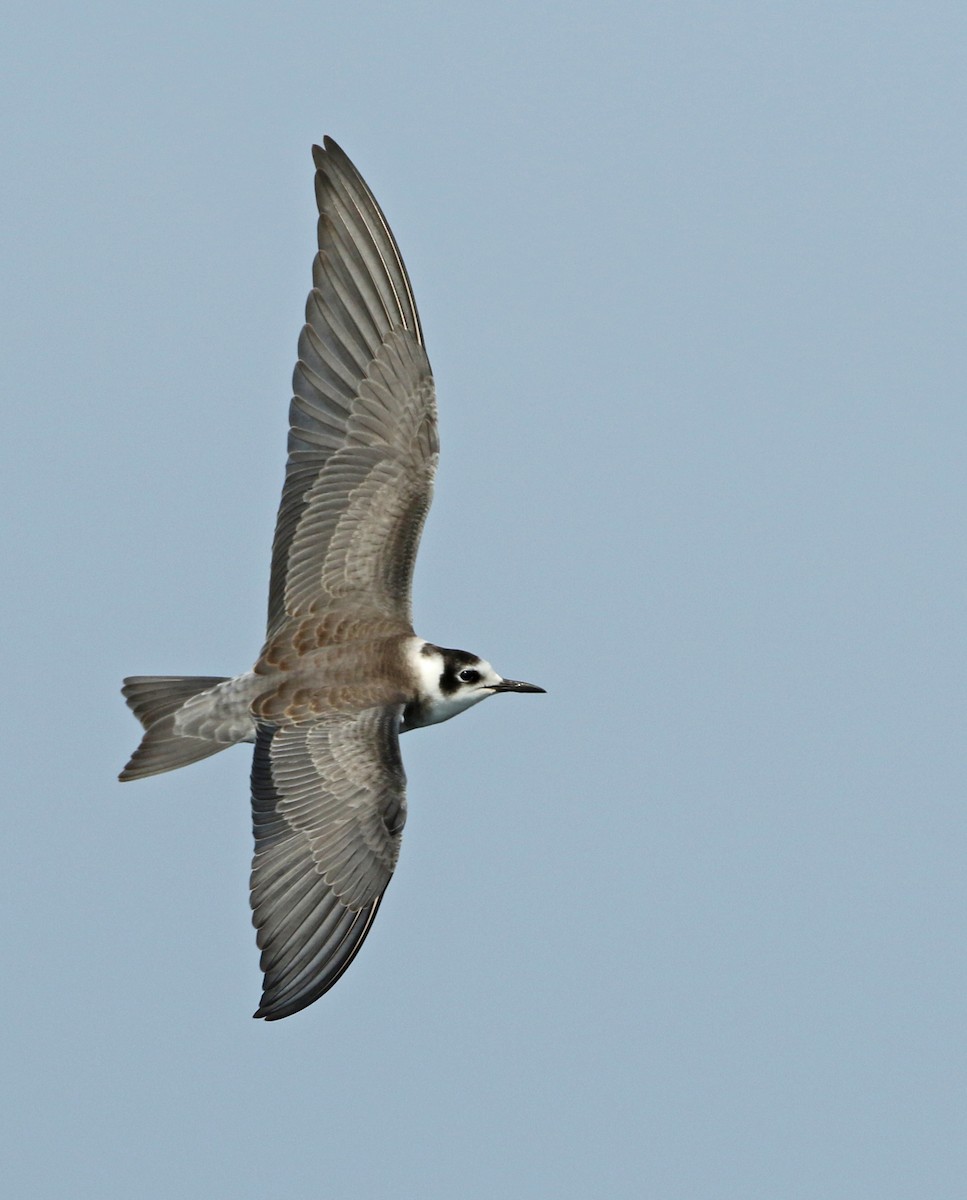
(692, 278)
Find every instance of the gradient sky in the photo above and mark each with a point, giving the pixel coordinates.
(690, 927)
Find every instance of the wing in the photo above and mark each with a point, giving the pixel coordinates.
(362, 424)
(328, 805)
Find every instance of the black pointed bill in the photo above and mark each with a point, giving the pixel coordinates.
(515, 685)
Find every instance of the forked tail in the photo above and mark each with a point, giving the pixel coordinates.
(156, 701)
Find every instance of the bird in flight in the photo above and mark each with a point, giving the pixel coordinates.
(341, 674)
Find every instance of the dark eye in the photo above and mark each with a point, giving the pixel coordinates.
(469, 676)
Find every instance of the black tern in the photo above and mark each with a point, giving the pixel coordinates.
(342, 672)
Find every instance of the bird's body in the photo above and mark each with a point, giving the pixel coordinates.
(341, 673)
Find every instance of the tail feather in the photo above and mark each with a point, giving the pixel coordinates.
(155, 700)
(151, 697)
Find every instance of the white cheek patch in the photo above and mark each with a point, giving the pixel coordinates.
(426, 667)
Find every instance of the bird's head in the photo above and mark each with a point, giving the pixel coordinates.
(451, 681)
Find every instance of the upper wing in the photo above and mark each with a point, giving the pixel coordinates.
(363, 438)
(328, 805)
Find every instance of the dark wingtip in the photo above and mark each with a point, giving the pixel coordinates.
(130, 770)
(328, 147)
(264, 1012)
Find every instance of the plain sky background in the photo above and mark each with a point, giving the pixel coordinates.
(690, 927)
